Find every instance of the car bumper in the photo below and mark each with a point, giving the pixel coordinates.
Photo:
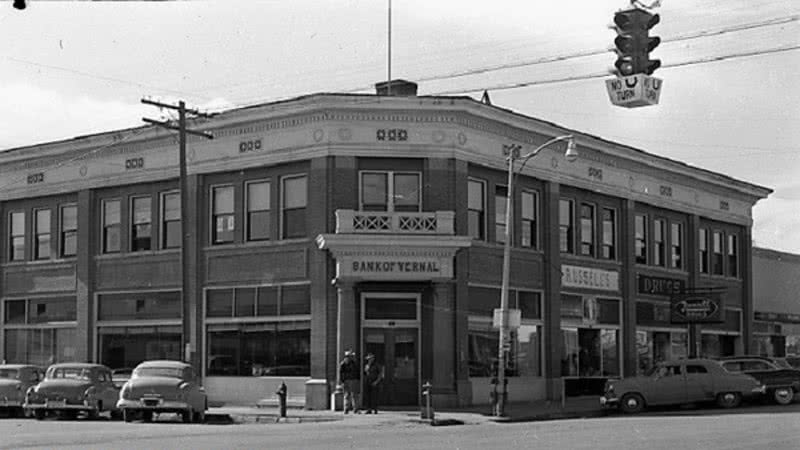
(10, 403)
(609, 402)
(60, 406)
(160, 406)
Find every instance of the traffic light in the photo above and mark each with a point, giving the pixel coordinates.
(19, 4)
(633, 44)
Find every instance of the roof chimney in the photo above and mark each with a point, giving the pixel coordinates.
(396, 88)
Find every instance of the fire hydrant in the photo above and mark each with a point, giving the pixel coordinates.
(427, 411)
(281, 392)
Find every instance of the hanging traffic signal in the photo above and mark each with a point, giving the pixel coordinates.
(19, 4)
(633, 44)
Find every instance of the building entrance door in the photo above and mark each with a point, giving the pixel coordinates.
(390, 331)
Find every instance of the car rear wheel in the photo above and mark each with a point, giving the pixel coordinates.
(729, 399)
(632, 403)
(783, 395)
(40, 414)
(199, 417)
(147, 416)
(128, 415)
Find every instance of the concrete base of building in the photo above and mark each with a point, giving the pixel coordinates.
(317, 394)
(464, 392)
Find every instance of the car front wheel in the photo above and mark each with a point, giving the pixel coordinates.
(729, 399)
(632, 403)
(128, 415)
(783, 395)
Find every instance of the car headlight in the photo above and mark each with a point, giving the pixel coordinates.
(183, 391)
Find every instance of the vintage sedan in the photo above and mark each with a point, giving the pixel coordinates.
(782, 380)
(72, 388)
(679, 382)
(15, 379)
(163, 386)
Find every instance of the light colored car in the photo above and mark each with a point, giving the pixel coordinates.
(72, 388)
(15, 379)
(679, 382)
(163, 386)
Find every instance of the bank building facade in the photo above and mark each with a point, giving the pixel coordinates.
(374, 223)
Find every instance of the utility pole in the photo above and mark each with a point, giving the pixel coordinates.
(189, 305)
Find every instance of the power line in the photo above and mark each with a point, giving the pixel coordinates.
(605, 74)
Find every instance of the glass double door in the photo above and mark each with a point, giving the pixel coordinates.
(397, 352)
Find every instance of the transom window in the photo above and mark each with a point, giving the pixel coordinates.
(69, 230)
(476, 205)
(390, 191)
(41, 249)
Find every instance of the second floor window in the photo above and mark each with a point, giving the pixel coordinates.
(500, 193)
(295, 198)
(222, 211)
(733, 256)
(587, 229)
(41, 248)
(659, 242)
(716, 261)
(702, 246)
(111, 226)
(529, 234)
(258, 210)
(171, 220)
(390, 191)
(640, 235)
(475, 209)
(566, 226)
(141, 224)
(609, 234)
(17, 238)
(69, 231)
(676, 242)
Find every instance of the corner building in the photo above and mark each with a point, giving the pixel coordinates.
(366, 222)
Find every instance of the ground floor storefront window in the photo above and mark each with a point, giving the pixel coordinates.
(258, 330)
(722, 339)
(39, 330)
(133, 327)
(654, 346)
(259, 349)
(126, 347)
(590, 336)
(525, 354)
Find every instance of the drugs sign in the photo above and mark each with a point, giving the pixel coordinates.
(635, 90)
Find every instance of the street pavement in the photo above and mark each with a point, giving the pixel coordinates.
(770, 426)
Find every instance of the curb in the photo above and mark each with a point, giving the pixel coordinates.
(550, 416)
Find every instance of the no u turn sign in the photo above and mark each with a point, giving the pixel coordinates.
(635, 90)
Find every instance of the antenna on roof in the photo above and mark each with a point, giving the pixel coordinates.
(389, 67)
(485, 98)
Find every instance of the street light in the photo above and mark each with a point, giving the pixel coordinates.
(571, 155)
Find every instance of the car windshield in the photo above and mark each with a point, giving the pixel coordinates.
(69, 373)
(9, 373)
(171, 372)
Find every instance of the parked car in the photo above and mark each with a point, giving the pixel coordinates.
(121, 375)
(782, 380)
(15, 379)
(163, 386)
(72, 388)
(793, 361)
(678, 382)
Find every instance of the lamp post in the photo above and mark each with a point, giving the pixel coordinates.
(571, 154)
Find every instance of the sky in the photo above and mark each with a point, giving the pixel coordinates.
(730, 100)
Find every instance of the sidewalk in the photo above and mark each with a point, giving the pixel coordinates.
(575, 407)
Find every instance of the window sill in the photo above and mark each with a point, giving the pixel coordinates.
(142, 254)
(257, 244)
(40, 262)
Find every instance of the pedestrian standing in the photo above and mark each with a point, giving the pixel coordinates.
(351, 377)
(373, 376)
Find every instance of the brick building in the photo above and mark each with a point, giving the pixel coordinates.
(370, 222)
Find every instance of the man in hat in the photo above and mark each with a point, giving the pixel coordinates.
(350, 376)
(373, 376)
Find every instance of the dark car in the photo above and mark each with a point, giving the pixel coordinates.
(782, 381)
(15, 379)
(70, 388)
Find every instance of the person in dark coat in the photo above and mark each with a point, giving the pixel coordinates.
(351, 377)
(373, 376)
